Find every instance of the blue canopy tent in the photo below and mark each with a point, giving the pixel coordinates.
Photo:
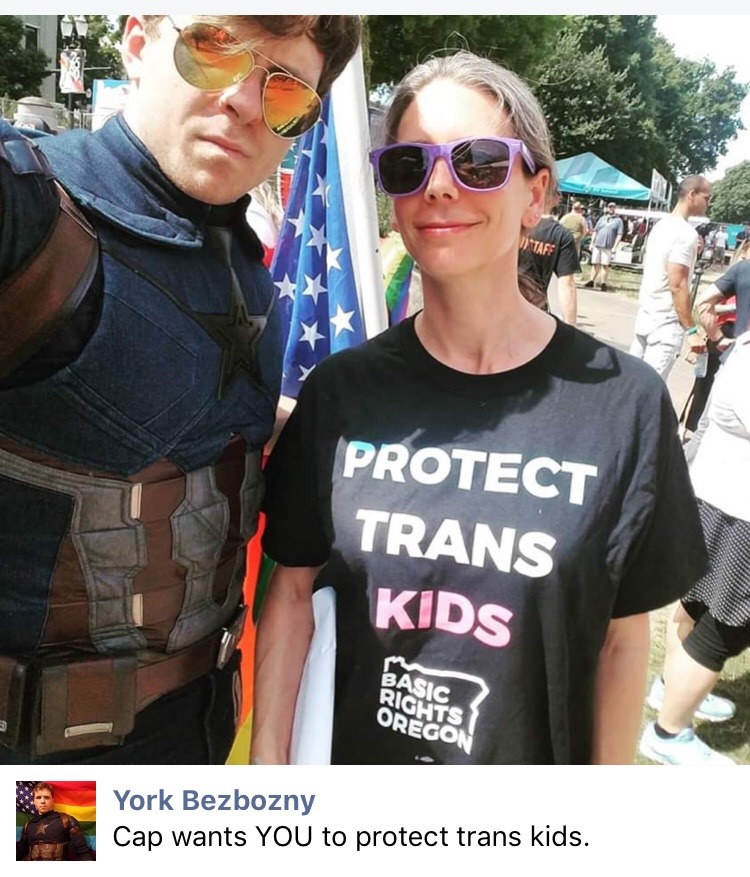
(587, 174)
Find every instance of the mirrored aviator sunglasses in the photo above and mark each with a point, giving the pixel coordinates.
(212, 59)
(479, 165)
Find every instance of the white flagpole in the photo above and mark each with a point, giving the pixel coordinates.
(349, 105)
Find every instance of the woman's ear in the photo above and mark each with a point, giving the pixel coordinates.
(538, 185)
(133, 41)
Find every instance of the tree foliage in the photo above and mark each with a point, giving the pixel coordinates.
(644, 108)
(21, 70)
(731, 197)
(399, 42)
(587, 104)
(698, 110)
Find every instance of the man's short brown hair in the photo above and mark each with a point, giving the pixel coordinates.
(47, 786)
(335, 36)
(693, 183)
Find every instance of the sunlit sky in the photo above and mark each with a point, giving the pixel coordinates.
(725, 39)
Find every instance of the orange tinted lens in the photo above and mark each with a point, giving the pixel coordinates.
(290, 106)
(210, 58)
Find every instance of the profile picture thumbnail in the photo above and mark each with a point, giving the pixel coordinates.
(55, 820)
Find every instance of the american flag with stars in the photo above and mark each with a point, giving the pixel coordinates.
(25, 797)
(312, 267)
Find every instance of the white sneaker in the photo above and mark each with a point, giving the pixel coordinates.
(685, 748)
(712, 708)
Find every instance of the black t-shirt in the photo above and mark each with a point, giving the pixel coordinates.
(480, 532)
(736, 281)
(549, 248)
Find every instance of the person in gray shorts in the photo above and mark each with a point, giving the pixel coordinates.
(607, 235)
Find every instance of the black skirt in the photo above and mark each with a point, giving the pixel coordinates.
(725, 587)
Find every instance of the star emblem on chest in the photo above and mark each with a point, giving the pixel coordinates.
(41, 828)
(237, 333)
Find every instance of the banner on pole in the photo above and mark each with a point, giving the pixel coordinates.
(658, 188)
(71, 71)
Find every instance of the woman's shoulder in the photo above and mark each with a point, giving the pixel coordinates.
(587, 359)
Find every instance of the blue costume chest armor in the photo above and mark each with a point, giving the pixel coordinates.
(185, 359)
(147, 384)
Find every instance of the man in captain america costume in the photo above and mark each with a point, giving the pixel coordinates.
(50, 835)
(140, 366)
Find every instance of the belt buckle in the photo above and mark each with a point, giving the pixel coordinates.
(231, 637)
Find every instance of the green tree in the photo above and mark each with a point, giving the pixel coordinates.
(627, 44)
(690, 111)
(628, 41)
(21, 70)
(731, 198)
(588, 106)
(698, 110)
(399, 42)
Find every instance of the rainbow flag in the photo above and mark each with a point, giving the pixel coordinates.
(256, 579)
(77, 798)
(398, 267)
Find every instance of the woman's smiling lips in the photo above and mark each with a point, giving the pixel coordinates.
(438, 229)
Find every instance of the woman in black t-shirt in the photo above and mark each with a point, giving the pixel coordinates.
(484, 488)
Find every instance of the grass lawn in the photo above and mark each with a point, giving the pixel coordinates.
(624, 280)
(732, 738)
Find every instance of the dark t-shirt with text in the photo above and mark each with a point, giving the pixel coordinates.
(548, 248)
(480, 532)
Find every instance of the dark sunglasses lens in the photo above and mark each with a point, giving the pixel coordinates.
(481, 164)
(402, 169)
(290, 105)
(210, 58)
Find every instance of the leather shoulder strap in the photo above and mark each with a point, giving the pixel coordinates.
(45, 290)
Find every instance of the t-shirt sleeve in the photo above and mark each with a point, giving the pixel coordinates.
(295, 532)
(726, 284)
(567, 255)
(659, 540)
(682, 251)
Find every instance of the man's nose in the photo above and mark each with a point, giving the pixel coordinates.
(244, 100)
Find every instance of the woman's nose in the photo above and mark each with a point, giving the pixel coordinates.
(441, 183)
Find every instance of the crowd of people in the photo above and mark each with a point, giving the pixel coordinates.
(495, 546)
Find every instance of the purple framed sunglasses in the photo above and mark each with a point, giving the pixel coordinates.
(481, 164)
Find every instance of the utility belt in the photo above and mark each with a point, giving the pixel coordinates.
(47, 852)
(53, 705)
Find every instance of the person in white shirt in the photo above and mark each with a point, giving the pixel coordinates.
(664, 309)
(721, 240)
